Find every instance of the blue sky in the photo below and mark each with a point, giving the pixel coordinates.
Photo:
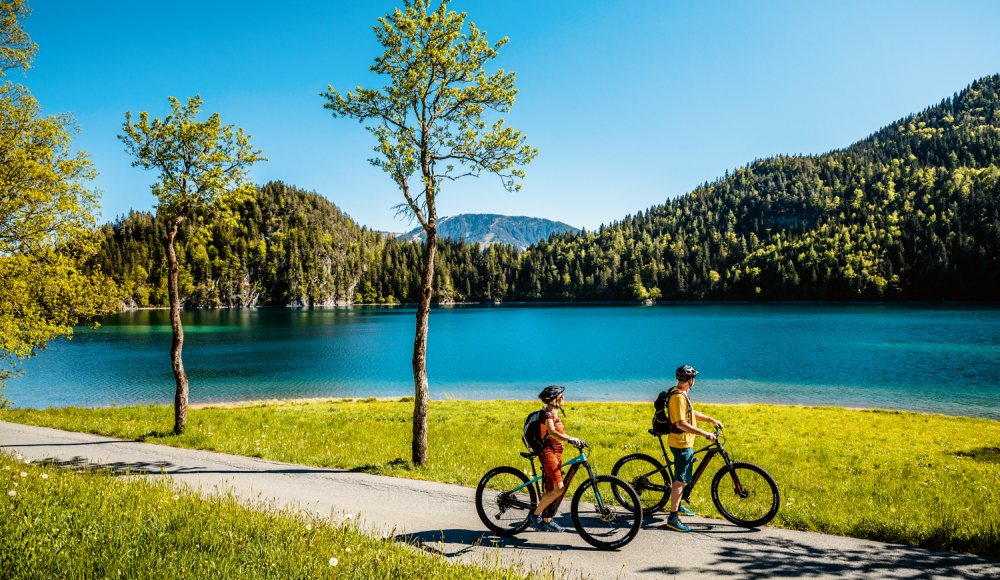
(630, 103)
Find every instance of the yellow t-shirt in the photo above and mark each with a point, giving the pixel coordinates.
(678, 408)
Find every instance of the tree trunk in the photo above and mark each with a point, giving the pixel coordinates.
(421, 391)
(180, 377)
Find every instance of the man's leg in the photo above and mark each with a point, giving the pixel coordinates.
(676, 491)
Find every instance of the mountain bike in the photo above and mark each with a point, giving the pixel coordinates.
(743, 493)
(505, 497)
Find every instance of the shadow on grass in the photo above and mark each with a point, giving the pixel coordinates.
(770, 557)
(983, 454)
(383, 468)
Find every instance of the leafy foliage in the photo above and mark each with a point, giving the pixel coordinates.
(46, 217)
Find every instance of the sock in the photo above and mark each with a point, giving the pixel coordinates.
(673, 515)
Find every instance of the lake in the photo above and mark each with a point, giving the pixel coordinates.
(943, 359)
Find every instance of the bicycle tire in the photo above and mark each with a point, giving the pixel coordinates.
(752, 503)
(613, 526)
(635, 470)
(491, 500)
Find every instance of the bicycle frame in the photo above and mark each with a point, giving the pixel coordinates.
(710, 451)
(574, 465)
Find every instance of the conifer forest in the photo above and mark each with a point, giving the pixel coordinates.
(909, 213)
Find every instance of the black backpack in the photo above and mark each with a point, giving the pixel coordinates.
(661, 417)
(532, 433)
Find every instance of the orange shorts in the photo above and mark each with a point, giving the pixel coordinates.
(551, 467)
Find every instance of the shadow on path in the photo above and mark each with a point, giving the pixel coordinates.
(762, 557)
(166, 468)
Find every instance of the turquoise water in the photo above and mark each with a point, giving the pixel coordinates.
(942, 359)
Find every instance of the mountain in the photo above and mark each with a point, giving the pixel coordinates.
(911, 212)
(487, 229)
(290, 247)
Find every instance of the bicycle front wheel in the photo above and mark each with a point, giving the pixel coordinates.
(745, 494)
(647, 477)
(504, 511)
(600, 518)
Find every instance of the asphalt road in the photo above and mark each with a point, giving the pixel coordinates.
(442, 518)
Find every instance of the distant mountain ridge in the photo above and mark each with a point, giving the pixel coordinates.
(490, 228)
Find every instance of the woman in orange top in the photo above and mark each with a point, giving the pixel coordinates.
(553, 436)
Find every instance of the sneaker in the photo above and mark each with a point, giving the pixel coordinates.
(683, 511)
(538, 523)
(554, 527)
(677, 525)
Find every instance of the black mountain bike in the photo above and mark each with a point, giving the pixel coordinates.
(743, 493)
(605, 509)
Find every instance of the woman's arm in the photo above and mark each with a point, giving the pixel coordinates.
(551, 426)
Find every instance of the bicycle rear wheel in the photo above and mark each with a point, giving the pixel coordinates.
(607, 524)
(503, 511)
(647, 477)
(745, 494)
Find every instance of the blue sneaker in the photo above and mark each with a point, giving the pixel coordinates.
(683, 511)
(677, 525)
(554, 527)
(538, 523)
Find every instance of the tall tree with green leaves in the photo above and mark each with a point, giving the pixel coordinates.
(46, 215)
(203, 165)
(430, 120)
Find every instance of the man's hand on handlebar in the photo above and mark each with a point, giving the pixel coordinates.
(710, 436)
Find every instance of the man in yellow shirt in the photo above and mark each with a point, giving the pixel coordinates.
(683, 429)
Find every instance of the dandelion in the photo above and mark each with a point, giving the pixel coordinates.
(19, 458)
(309, 527)
(23, 474)
(333, 561)
(177, 497)
(45, 476)
(6, 468)
(348, 516)
(348, 549)
(27, 461)
(12, 493)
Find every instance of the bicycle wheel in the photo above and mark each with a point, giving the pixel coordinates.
(647, 477)
(745, 494)
(613, 525)
(503, 511)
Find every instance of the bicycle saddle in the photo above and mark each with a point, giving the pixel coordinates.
(527, 455)
(653, 433)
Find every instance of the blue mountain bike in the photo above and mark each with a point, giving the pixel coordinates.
(606, 510)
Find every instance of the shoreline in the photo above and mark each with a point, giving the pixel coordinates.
(315, 400)
(588, 303)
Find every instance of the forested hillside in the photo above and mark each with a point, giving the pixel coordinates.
(290, 247)
(909, 213)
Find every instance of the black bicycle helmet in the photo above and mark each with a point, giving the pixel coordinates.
(686, 372)
(550, 393)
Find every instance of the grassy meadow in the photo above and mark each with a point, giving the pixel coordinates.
(924, 480)
(56, 523)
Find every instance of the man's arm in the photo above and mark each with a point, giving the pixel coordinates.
(703, 417)
(689, 428)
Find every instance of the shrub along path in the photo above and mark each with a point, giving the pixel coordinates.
(443, 517)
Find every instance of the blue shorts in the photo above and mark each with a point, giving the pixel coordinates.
(683, 464)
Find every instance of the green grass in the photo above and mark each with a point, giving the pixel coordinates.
(923, 480)
(64, 524)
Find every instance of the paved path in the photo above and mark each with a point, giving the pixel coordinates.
(429, 512)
